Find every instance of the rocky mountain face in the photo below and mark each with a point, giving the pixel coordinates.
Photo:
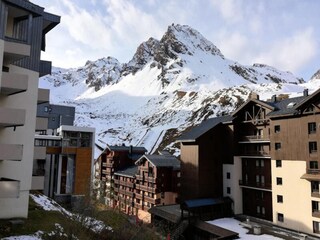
(316, 76)
(169, 85)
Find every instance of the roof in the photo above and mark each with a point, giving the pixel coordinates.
(128, 172)
(281, 107)
(170, 213)
(203, 202)
(116, 148)
(202, 128)
(256, 101)
(161, 160)
(221, 233)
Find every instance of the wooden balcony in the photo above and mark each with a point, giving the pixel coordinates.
(126, 192)
(140, 177)
(260, 154)
(110, 165)
(9, 188)
(13, 83)
(11, 152)
(151, 179)
(151, 200)
(266, 186)
(254, 139)
(145, 188)
(138, 196)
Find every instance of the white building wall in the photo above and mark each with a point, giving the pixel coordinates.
(296, 207)
(235, 194)
(20, 170)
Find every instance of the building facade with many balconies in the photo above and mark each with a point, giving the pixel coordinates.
(153, 180)
(23, 26)
(274, 171)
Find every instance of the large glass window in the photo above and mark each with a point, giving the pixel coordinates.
(313, 147)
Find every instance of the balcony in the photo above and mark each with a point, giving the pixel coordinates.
(44, 68)
(315, 193)
(151, 179)
(266, 186)
(14, 50)
(151, 200)
(39, 152)
(11, 152)
(9, 188)
(254, 139)
(13, 83)
(126, 192)
(254, 154)
(104, 164)
(43, 95)
(10, 117)
(316, 213)
(138, 196)
(140, 177)
(41, 123)
(37, 183)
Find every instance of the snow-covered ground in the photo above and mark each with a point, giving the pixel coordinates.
(234, 225)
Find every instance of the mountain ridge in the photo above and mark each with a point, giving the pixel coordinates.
(168, 86)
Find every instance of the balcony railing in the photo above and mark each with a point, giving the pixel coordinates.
(138, 196)
(12, 152)
(255, 184)
(313, 171)
(255, 153)
(104, 164)
(316, 213)
(14, 50)
(315, 193)
(151, 200)
(43, 95)
(13, 83)
(255, 138)
(126, 192)
(9, 188)
(44, 68)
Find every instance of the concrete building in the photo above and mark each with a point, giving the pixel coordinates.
(273, 173)
(23, 27)
(63, 160)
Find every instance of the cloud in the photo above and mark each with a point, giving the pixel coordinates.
(230, 10)
(291, 53)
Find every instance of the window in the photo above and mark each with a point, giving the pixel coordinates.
(312, 128)
(263, 211)
(228, 190)
(315, 186)
(312, 147)
(228, 175)
(315, 206)
(262, 163)
(313, 164)
(316, 227)
(277, 146)
(277, 128)
(279, 181)
(280, 217)
(279, 198)
(46, 109)
(278, 163)
(258, 209)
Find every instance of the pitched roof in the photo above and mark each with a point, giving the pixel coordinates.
(128, 172)
(202, 128)
(116, 148)
(161, 160)
(256, 101)
(286, 106)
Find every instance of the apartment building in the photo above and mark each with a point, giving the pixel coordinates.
(23, 27)
(112, 159)
(274, 171)
(63, 159)
(154, 180)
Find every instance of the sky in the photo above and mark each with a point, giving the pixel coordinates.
(281, 33)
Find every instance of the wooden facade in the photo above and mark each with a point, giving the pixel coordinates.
(268, 140)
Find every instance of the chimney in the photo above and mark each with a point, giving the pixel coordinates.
(253, 95)
(305, 92)
(274, 98)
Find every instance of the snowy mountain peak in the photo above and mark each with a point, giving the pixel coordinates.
(184, 39)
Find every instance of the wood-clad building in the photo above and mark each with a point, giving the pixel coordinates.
(274, 172)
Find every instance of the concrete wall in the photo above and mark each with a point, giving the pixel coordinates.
(235, 171)
(296, 192)
(22, 170)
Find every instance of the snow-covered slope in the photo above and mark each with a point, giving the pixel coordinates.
(169, 85)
